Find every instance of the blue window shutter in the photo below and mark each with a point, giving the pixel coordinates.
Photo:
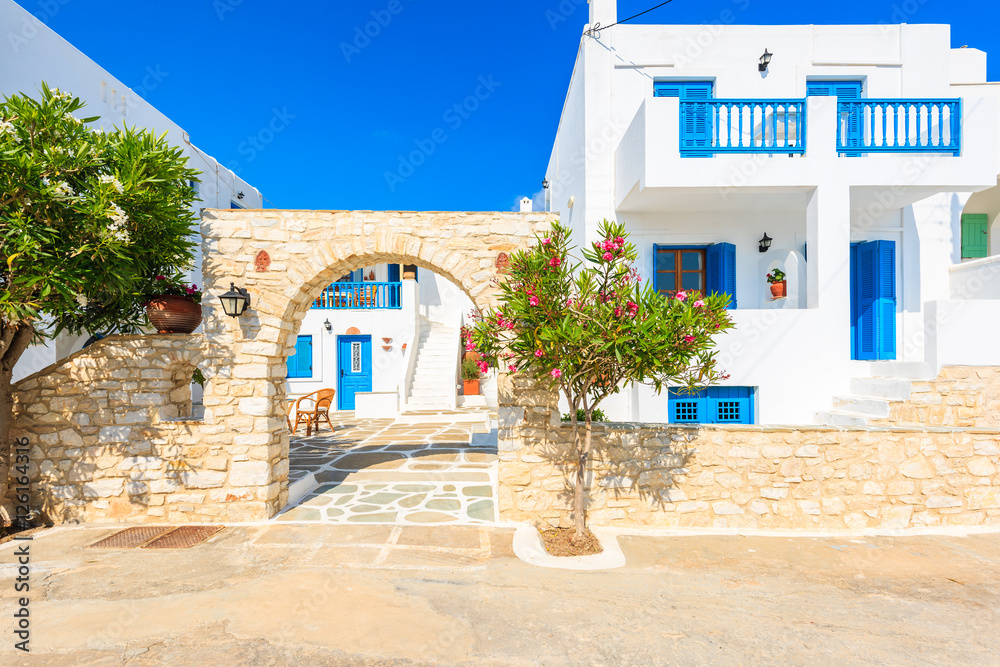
(720, 271)
(854, 301)
(357, 275)
(885, 298)
(687, 408)
(974, 235)
(667, 89)
(394, 273)
(696, 119)
(300, 365)
(656, 277)
(843, 91)
(819, 88)
(731, 405)
(867, 345)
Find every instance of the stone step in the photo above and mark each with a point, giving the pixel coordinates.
(894, 389)
(869, 406)
(841, 418)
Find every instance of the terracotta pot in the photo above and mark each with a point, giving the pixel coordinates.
(472, 355)
(778, 290)
(470, 387)
(173, 314)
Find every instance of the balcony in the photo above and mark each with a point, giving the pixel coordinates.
(360, 296)
(899, 126)
(742, 126)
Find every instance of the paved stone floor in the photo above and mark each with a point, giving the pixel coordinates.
(378, 471)
(322, 594)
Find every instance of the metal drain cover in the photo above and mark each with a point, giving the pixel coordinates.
(130, 537)
(184, 537)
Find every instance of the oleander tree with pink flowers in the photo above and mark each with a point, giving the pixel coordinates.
(591, 328)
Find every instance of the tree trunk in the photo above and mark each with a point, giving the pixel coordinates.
(580, 498)
(14, 340)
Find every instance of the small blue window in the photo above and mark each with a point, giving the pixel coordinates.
(714, 405)
(300, 364)
(233, 204)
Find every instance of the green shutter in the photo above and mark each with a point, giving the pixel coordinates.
(974, 226)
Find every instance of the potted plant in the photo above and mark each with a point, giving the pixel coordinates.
(470, 377)
(173, 305)
(777, 280)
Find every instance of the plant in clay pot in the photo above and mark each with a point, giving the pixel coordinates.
(471, 372)
(173, 306)
(776, 278)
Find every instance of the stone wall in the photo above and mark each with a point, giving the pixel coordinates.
(813, 478)
(959, 396)
(109, 439)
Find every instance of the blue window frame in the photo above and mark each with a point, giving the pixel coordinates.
(696, 116)
(300, 364)
(714, 405)
(851, 123)
(719, 269)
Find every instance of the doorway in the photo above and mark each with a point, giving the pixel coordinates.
(354, 368)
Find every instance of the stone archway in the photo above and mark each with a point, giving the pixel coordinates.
(285, 259)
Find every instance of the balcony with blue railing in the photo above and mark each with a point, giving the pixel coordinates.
(899, 126)
(360, 296)
(767, 126)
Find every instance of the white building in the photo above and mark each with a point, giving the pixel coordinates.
(869, 154)
(30, 52)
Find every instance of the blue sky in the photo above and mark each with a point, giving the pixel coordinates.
(234, 67)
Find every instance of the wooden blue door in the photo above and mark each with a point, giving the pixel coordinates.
(873, 301)
(354, 368)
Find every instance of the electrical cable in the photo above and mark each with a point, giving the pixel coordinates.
(597, 27)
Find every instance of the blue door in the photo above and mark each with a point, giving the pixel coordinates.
(851, 122)
(873, 300)
(354, 368)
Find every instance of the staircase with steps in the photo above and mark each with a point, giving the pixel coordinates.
(435, 371)
(871, 399)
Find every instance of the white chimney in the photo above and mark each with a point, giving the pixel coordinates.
(526, 205)
(604, 12)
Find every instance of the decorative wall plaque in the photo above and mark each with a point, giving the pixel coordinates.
(353, 331)
(262, 262)
(503, 263)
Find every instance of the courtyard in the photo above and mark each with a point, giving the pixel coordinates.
(394, 595)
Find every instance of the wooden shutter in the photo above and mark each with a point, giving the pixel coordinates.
(851, 123)
(300, 364)
(974, 235)
(876, 300)
(696, 119)
(720, 271)
(731, 405)
(394, 273)
(885, 298)
(687, 408)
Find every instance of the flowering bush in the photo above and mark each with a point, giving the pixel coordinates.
(775, 276)
(173, 286)
(590, 328)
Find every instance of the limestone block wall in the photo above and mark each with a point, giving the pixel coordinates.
(813, 478)
(109, 441)
(959, 396)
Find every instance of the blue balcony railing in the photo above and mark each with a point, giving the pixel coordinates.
(360, 296)
(743, 126)
(899, 126)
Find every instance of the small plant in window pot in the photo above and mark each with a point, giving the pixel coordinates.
(776, 278)
(470, 377)
(173, 306)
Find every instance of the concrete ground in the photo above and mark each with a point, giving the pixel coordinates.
(321, 594)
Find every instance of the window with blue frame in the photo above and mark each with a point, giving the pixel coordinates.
(851, 123)
(300, 364)
(713, 405)
(709, 269)
(696, 117)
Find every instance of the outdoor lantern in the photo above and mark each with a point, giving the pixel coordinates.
(765, 60)
(328, 326)
(765, 242)
(235, 301)
(545, 184)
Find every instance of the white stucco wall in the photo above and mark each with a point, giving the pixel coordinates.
(31, 53)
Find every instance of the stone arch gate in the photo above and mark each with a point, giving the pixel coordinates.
(106, 439)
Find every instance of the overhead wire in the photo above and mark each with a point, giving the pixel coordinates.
(597, 27)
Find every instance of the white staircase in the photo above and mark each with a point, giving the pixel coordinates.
(870, 398)
(435, 370)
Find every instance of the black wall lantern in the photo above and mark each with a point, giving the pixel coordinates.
(327, 325)
(236, 301)
(765, 60)
(765, 243)
(545, 184)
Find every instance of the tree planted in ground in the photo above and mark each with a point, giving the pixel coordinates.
(87, 219)
(590, 328)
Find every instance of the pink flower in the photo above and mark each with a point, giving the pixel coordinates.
(607, 256)
(546, 241)
(619, 240)
(510, 325)
(533, 301)
(682, 296)
(569, 302)
(618, 312)
(161, 277)
(633, 308)
(189, 290)
(538, 353)
(556, 373)
(699, 303)
(483, 367)
(688, 339)
(555, 261)
(512, 368)
(470, 346)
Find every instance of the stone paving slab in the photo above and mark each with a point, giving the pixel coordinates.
(379, 471)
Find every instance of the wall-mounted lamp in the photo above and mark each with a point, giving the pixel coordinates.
(765, 243)
(239, 195)
(236, 301)
(545, 184)
(765, 60)
(328, 326)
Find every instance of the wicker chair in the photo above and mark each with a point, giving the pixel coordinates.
(316, 408)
